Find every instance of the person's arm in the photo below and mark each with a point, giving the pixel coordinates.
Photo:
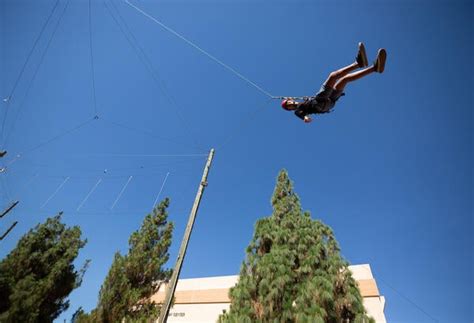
(302, 113)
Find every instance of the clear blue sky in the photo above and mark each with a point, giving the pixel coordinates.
(390, 170)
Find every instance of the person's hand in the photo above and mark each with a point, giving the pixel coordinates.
(307, 119)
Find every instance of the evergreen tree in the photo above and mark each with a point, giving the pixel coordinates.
(80, 316)
(293, 271)
(134, 278)
(38, 275)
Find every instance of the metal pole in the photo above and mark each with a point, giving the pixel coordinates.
(8, 231)
(8, 209)
(184, 244)
(5, 212)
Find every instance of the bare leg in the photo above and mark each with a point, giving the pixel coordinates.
(330, 82)
(342, 82)
(336, 75)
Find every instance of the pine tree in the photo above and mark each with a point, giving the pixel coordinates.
(134, 278)
(38, 275)
(82, 317)
(114, 295)
(293, 271)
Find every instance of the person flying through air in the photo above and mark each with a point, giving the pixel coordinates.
(333, 88)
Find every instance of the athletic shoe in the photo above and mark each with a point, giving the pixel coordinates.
(362, 56)
(379, 63)
(3, 153)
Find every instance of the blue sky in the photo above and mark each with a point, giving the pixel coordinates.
(390, 170)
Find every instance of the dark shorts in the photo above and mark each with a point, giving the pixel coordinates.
(326, 98)
(323, 102)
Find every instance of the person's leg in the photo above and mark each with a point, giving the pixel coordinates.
(361, 61)
(342, 82)
(336, 75)
(378, 66)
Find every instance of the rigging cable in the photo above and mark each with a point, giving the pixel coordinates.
(243, 123)
(8, 99)
(146, 61)
(89, 194)
(59, 135)
(408, 300)
(379, 278)
(150, 155)
(6, 188)
(155, 166)
(251, 115)
(161, 189)
(55, 192)
(56, 137)
(141, 131)
(92, 60)
(27, 183)
(200, 49)
(121, 192)
(34, 76)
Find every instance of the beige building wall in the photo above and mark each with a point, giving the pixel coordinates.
(202, 300)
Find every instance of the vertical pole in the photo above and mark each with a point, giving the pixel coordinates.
(184, 244)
